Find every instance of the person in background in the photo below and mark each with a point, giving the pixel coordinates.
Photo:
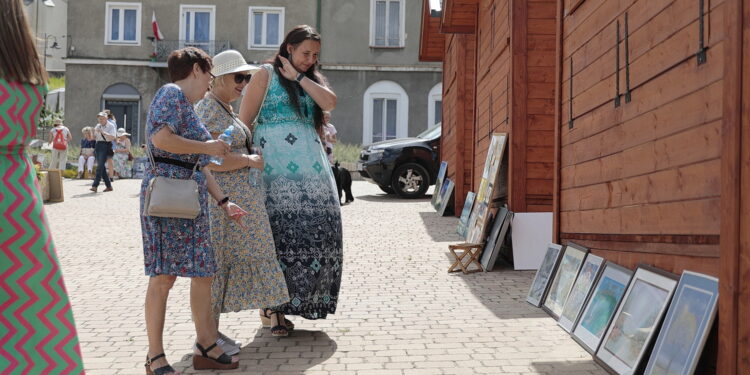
(249, 275)
(172, 247)
(122, 154)
(60, 138)
(104, 133)
(110, 155)
(37, 331)
(86, 157)
(329, 135)
(301, 197)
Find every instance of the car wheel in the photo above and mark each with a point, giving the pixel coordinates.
(410, 180)
(386, 189)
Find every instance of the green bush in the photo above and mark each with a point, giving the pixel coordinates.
(346, 153)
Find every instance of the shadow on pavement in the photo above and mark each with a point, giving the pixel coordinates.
(438, 229)
(390, 198)
(568, 367)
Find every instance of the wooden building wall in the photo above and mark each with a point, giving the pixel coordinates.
(457, 146)
(512, 91)
(639, 181)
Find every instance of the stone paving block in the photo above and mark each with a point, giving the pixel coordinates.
(400, 312)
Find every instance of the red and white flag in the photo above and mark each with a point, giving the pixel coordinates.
(155, 26)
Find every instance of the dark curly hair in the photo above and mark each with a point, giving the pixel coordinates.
(180, 62)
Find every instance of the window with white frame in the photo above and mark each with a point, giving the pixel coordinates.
(387, 21)
(123, 23)
(386, 112)
(435, 105)
(265, 27)
(197, 26)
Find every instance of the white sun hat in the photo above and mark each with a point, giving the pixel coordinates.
(231, 61)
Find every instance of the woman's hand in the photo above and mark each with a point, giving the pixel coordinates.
(234, 212)
(287, 69)
(216, 148)
(256, 161)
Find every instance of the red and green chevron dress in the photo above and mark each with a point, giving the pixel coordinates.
(37, 333)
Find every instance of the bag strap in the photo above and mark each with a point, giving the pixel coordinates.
(242, 126)
(153, 162)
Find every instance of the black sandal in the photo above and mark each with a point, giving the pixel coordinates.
(164, 370)
(266, 320)
(204, 362)
(278, 330)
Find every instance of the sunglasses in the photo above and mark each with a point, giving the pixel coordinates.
(239, 77)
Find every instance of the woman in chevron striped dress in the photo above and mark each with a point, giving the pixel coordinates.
(37, 333)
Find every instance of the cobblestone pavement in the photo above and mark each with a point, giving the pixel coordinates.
(400, 311)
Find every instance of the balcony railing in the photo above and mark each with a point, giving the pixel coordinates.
(164, 47)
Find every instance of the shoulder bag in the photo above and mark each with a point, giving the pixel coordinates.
(171, 197)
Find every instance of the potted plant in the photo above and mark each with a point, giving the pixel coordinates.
(152, 56)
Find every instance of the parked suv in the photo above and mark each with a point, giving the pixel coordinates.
(406, 166)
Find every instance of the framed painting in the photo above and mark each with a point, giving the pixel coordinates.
(605, 297)
(634, 325)
(463, 222)
(439, 184)
(445, 196)
(541, 279)
(495, 239)
(581, 291)
(570, 264)
(686, 326)
(486, 192)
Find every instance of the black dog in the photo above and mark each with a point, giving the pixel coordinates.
(343, 182)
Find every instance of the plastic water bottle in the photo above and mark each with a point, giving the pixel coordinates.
(255, 173)
(227, 138)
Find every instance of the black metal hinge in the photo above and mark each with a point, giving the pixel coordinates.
(701, 55)
(617, 67)
(627, 62)
(570, 84)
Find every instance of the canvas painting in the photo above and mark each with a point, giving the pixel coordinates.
(686, 326)
(580, 292)
(570, 264)
(636, 319)
(495, 239)
(463, 222)
(541, 280)
(486, 192)
(439, 184)
(445, 196)
(600, 307)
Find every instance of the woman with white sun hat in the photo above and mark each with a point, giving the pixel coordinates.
(249, 275)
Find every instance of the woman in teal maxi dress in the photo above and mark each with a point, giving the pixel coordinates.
(301, 199)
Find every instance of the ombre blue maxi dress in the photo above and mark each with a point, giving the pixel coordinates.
(302, 203)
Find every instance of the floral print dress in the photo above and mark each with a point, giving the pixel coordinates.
(173, 246)
(249, 275)
(121, 160)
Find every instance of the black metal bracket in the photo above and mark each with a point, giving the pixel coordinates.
(570, 85)
(701, 55)
(627, 62)
(617, 67)
(507, 98)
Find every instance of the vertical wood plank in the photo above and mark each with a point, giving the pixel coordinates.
(743, 329)
(519, 81)
(730, 191)
(558, 121)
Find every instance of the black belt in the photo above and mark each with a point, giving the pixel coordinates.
(178, 163)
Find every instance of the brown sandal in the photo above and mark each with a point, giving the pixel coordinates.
(204, 362)
(265, 319)
(164, 370)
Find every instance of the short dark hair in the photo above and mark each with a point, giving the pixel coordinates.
(180, 62)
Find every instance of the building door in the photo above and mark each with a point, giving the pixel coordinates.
(126, 114)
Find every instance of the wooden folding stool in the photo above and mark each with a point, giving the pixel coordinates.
(469, 253)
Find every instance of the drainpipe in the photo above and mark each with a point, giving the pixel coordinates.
(317, 16)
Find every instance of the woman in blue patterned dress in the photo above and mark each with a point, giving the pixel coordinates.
(301, 198)
(181, 247)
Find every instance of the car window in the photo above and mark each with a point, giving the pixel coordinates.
(430, 133)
